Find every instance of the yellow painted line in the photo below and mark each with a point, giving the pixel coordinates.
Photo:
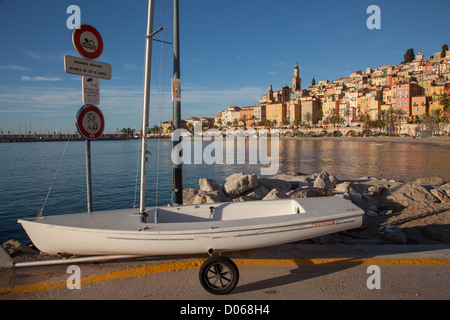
(40, 287)
(344, 261)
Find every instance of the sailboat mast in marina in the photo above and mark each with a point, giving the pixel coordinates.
(176, 92)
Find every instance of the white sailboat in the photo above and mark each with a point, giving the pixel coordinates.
(190, 229)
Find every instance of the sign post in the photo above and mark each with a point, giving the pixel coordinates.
(91, 90)
(85, 67)
(90, 122)
(87, 41)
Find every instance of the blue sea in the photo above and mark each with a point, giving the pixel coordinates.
(28, 169)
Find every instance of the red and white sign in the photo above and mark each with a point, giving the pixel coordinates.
(90, 122)
(176, 89)
(87, 41)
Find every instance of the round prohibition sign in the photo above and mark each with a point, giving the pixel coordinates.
(90, 122)
(87, 41)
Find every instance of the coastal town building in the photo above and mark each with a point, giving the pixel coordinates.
(419, 106)
(247, 117)
(402, 93)
(259, 112)
(413, 89)
(276, 112)
(310, 110)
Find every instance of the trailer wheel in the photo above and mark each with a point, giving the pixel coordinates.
(219, 275)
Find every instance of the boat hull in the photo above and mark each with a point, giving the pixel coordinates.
(193, 229)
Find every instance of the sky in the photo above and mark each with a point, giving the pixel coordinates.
(231, 51)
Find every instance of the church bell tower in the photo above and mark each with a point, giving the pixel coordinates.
(296, 80)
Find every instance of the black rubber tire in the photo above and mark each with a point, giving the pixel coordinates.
(219, 275)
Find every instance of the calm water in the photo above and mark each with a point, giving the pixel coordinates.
(27, 170)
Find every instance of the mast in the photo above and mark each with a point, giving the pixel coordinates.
(146, 102)
(177, 169)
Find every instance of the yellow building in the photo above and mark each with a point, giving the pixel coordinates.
(374, 108)
(294, 111)
(437, 90)
(387, 96)
(434, 105)
(330, 106)
(276, 112)
(419, 106)
(426, 86)
(370, 104)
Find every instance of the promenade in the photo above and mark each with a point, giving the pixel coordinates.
(286, 272)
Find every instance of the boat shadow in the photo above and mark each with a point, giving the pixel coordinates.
(306, 269)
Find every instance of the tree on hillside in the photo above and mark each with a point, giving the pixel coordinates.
(434, 120)
(308, 118)
(444, 101)
(444, 50)
(409, 55)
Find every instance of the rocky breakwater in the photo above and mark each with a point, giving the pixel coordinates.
(416, 212)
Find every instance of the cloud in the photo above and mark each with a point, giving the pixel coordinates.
(39, 78)
(129, 66)
(37, 56)
(121, 105)
(14, 68)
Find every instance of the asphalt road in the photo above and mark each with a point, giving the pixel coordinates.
(287, 272)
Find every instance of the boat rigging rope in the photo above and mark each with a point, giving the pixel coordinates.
(161, 101)
(54, 177)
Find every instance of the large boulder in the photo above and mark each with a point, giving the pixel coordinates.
(275, 194)
(275, 183)
(238, 183)
(207, 184)
(14, 248)
(211, 186)
(406, 195)
(194, 196)
(209, 197)
(325, 181)
(257, 194)
(292, 181)
(309, 193)
(430, 181)
(189, 195)
(440, 194)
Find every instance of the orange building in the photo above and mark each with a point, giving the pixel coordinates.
(247, 116)
(276, 112)
(419, 106)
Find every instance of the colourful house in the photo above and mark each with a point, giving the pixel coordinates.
(247, 116)
(419, 106)
(401, 95)
(276, 112)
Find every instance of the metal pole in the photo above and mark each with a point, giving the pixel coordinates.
(177, 169)
(146, 102)
(88, 175)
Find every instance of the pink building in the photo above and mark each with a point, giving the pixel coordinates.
(401, 95)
